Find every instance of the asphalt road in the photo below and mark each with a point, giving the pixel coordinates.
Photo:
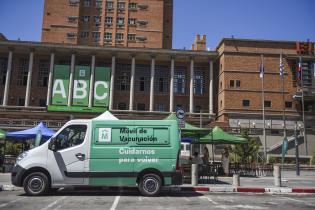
(95, 200)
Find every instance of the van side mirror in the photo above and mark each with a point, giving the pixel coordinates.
(52, 145)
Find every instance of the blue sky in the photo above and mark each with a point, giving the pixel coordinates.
(256, 19)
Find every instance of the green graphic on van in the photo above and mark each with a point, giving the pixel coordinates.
(104, 135)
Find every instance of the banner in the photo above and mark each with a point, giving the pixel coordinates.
(81, 86)
(60, 89)
(101, 87)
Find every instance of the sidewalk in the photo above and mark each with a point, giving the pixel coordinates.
(305, 183)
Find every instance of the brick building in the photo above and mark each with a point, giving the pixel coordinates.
(219, 87)
(119, 23)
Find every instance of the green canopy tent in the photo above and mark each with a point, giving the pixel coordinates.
(188, 128)
(218, 136)
(2, 134)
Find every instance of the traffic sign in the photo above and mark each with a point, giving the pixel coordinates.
(180, 114)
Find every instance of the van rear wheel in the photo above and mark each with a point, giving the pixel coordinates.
(150, 185)
(36, 183)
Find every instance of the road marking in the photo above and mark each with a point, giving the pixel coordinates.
(5, 204)
(54, 203)
(240, 207)
(115, 203)
(209, 199)
(292, 199)
(187, 199)
(140, 198)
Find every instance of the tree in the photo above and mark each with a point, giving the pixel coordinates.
(246, 152)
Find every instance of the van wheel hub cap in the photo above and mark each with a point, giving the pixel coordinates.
(35, 184)
(150, 184)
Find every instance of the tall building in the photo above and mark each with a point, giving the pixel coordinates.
(115, 23)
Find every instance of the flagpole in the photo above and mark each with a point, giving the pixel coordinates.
(303, 111)
(283, 98)
(263, 106)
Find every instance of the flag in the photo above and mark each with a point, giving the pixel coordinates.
(261, 70)
(299, 70)
(281, 67)
(284, 150)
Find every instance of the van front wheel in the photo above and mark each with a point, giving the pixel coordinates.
(36, 183)
(150, 185)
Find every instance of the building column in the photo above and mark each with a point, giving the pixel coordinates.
(132, 82)
(152, 84)
(112, 85)
(71, 79)
(92, 81)
(7, 80)
(172, 86)
(50, 78)
(29, 80)
(211, 87)
(191, 87)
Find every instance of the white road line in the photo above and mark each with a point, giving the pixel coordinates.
(115, 203)
(240, 207)
(53, 203)
(209, 199)
(187, 199)
(292, 199)
(5, 204)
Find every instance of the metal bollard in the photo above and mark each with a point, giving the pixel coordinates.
(277, 176)
(236, 180)
(194, 174)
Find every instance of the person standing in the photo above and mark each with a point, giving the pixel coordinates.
(225, 161)
(205, 155)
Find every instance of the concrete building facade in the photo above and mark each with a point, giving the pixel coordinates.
(112, 23)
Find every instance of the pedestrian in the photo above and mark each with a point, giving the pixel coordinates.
(205, 155)
(225, 161)
(196, 159)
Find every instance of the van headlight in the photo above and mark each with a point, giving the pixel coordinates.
(21, 156)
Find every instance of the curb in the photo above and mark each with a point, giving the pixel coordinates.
(7, 187)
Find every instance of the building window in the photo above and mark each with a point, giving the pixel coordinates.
(86, 3)
(108, 36)
(72, 19)
(1, 100)
(98, 3)
(42, 102)
(120, 36)
(288, 104)
(97, 19)
(121, 5)
(132, 21)
(141, 107)
(220, 103)
(231, 83)
(85, 18)
(123, 82)
(131, 37)
(109, 20)
(21, 102)
(109, 5)
(179, 81)
(120, 21)
(84, 34)
(96, 36)
(132, 6)
(161, 79)
(267, 104)
(246, 102)
(141, 84)
(22, 72)
(43, 73)
(197, 109)
(122, 106)
(238, 83)
(160, 107)
(199, 86)
(3, 70)
(220, 85)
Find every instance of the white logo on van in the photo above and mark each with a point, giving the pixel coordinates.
(104, 135)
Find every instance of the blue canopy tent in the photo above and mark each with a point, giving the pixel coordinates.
(31, 133)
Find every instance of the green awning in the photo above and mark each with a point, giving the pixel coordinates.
(2, 134)
(218, 136)
(188, 127)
